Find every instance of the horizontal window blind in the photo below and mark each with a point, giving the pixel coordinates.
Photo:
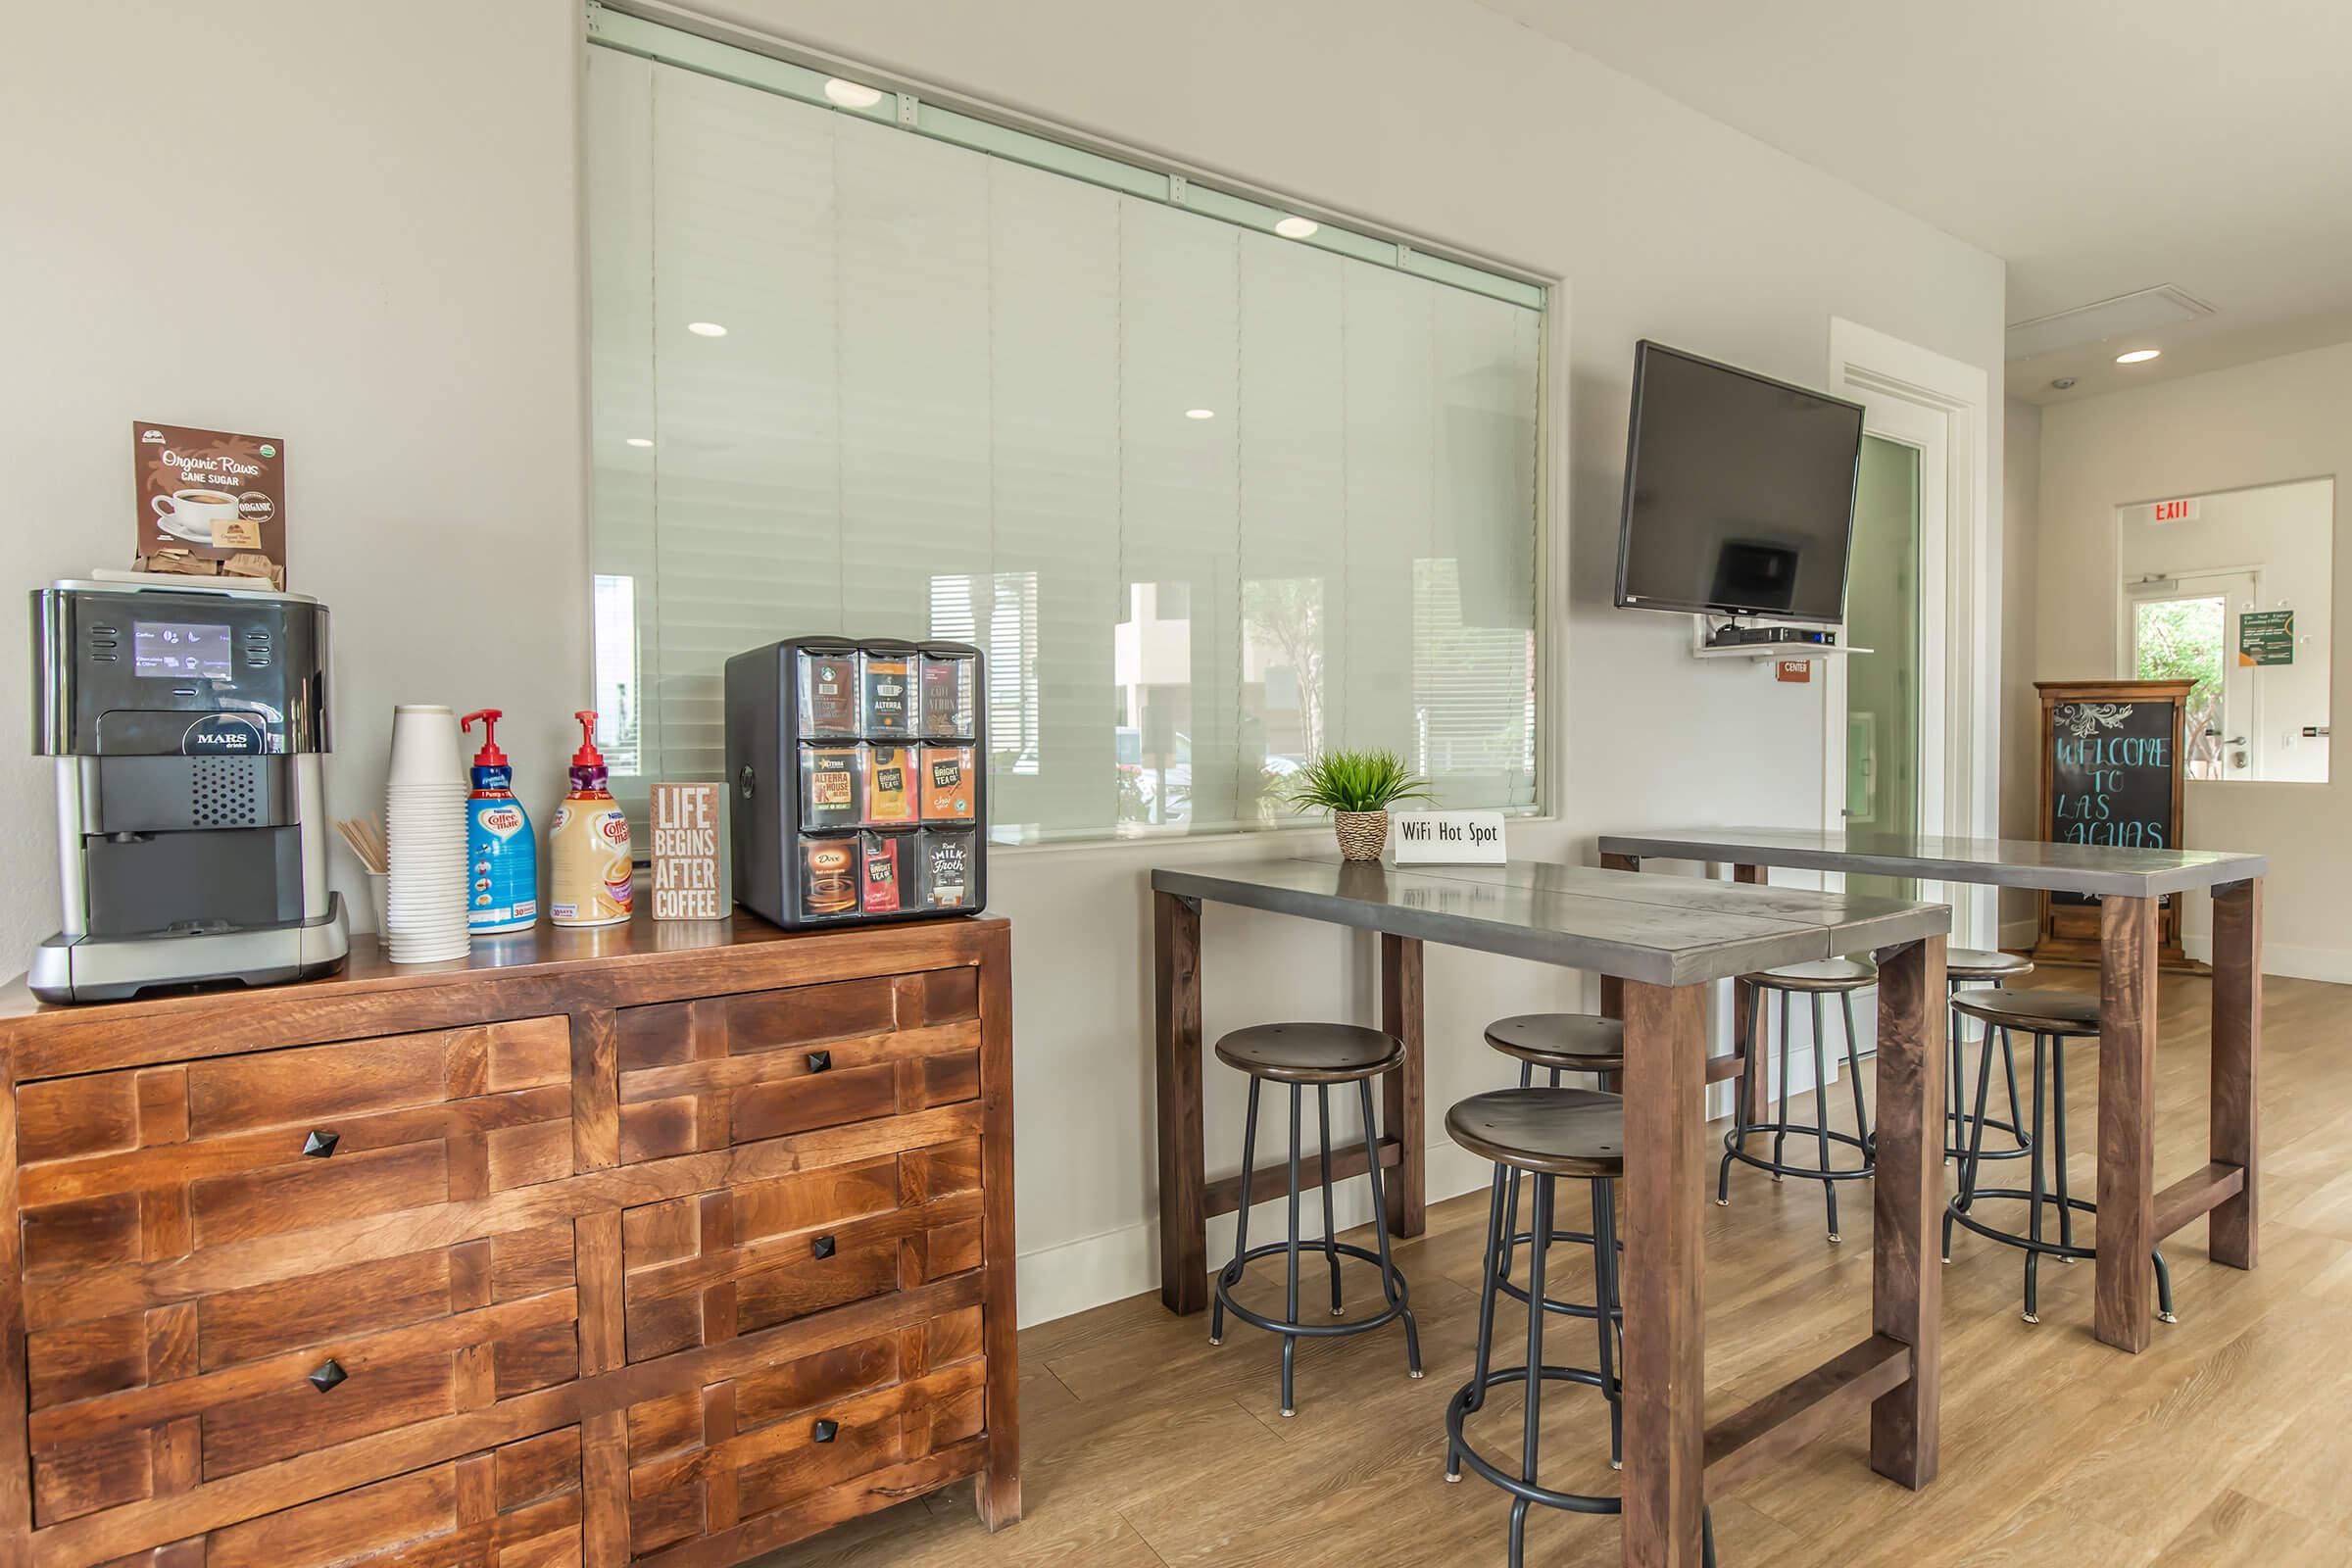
(1212, 500)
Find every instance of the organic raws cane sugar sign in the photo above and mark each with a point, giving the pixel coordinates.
(209, 502)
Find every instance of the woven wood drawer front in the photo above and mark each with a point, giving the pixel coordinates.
(725, 1070)
(703, 1269)
(702, 1461)
(515, 1507)
(191, 1268)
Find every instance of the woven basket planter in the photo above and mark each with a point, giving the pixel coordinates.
(1362, 834)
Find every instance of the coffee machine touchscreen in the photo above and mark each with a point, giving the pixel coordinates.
(179, 649)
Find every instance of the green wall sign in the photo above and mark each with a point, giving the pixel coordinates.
(2265, 637)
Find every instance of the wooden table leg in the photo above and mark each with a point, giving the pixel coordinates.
(1665, 1270)
(1182, 1173)
(2236, 1110)
(1612, 989)
(1403, 1100)
(1907, 1206)
(1756, 1087)
(2127, 1228)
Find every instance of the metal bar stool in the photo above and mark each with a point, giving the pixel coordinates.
(1964, 967)
(2054, 1018)
(1317, 1055)
(1558, 1043)
(1546, 1134)
(1841, 978)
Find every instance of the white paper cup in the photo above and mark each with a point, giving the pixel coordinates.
(425, 746)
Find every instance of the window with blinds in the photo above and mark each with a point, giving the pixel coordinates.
(1212, 499)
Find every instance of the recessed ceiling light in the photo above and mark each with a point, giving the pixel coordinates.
(706, 329)
(640, 441)
(1200, 413)
(852, 94)
(2136, 355)
(1296, 228)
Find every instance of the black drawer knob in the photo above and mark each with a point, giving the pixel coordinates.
(327, 1376)
(825, 1431)
(820, 1062)
(321, 1145)
(822, 1247)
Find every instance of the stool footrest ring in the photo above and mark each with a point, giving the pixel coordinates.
(1460, 1408)
(1732, 1146)
(2023, 1244)
(1230, 1274)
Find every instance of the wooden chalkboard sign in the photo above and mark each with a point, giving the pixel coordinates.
(2111, 775)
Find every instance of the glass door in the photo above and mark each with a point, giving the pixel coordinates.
(2180, 630)
(1882, 687)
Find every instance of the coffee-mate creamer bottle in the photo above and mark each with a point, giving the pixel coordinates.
(588, 844)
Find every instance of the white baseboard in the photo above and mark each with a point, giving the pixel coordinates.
(2020, 933)
(2333, 965)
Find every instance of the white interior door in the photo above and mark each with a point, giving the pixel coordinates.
(1895, 700)
(2180, 628)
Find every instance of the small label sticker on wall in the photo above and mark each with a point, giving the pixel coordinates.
(1798, 670)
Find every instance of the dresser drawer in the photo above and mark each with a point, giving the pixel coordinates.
(703, 1461)
(702, 1269)
(160, 1161)
(157, 1402)
(191, 1268)
(515, 1507)
(725, 1070)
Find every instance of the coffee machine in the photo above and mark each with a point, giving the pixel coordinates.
(188, 718)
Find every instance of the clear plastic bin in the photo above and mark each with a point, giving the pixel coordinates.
(886, 676)
(832, 786)
(950, 867)
(948, 697)
(827, 683)
(893, 792)
(949, 792)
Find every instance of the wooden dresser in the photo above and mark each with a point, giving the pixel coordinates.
(666, 1244)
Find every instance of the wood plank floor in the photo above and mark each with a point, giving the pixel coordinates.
(2225, 1444)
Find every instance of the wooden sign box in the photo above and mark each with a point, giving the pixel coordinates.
(2136, 804)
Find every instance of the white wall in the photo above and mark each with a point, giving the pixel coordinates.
(367, 247)
(2263, 424)
(405, 301)
(2020, 705)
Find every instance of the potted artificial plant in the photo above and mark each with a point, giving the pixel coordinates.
(1357, 788)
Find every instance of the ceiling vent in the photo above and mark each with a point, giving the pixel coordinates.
(2141, 311)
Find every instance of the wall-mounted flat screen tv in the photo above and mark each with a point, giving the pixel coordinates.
(1738, 492)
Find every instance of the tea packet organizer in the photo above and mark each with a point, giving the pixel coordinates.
(860, 778)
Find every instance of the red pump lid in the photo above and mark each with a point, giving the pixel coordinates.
(489, 756)
(587, 756)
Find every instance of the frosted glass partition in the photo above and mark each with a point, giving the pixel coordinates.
(1211, 500)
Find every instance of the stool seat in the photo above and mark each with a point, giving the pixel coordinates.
(1557, 1132)
(2049, 1012)
(1571, 1042)
(1985, 963)
(1311, 1053)
(1822, 974)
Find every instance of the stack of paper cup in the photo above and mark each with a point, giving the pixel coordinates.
(424, 836)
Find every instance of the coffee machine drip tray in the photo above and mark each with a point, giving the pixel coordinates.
(98, 968)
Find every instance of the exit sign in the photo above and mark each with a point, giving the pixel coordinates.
(2175, 511)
